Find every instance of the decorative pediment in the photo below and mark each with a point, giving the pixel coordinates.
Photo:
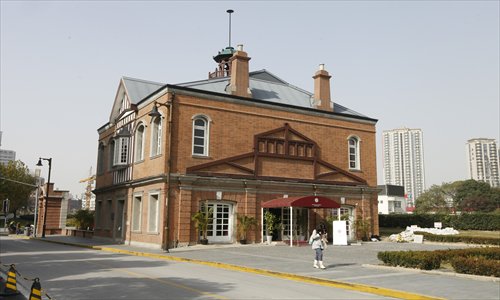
(279, 154)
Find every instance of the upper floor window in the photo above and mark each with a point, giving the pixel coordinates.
(354, 153)
(139, 143)
(156, 134)
(100, 159)
(112, 146)
(121, 146)
(124, 103)
(200, 136)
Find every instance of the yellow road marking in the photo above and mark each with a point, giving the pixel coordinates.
(307, 279)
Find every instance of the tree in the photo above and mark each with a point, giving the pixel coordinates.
(16, 184)
(472, 195)
(432, 200)
(83, 219)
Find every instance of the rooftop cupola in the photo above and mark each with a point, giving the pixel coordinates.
(222, 59)
(321, 97)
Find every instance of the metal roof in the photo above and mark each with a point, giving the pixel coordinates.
(263, 84)
(138, 89)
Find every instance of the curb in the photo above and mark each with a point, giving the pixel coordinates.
(434, 272)
(307, 279)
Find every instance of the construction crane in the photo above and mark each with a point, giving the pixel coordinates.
(88, 189)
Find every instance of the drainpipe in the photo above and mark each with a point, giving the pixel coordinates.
(169, 168)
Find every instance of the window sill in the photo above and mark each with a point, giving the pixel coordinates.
(355, 171)
(155, 156)
(201, 156)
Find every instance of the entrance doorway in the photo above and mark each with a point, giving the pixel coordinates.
(120, 211)
(220, 230)
(346, 214)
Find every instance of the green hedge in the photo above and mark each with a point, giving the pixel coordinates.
(476, 266)
(476, 261)
(475, 221)
(459, 239)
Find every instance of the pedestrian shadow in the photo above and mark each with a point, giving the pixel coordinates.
(340, 265)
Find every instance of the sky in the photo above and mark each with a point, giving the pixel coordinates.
(432, 65)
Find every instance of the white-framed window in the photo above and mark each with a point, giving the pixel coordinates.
(136, 213)
(154, 200)
(200, 135)
(353, 148)
(156, 133)
(139, 143)
(121, 147)
(124, 103)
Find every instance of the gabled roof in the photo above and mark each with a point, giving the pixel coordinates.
(138, 89)
(264, 85)
(268, 87)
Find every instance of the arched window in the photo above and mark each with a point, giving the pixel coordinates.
(139, 143)
(156, 133)
(100, 159)
(200, 136)
(354, 153)
(111, 154)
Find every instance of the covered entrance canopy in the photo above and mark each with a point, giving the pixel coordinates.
(303, 201)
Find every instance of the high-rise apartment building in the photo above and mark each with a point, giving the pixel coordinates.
(6, 155)
(482, 159)
(404, 161)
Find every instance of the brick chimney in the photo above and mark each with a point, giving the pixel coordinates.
(322, 99)
(240, 82)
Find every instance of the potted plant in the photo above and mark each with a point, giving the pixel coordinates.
(202, 218)
(362, 229)
(271, 223)
(245, 223)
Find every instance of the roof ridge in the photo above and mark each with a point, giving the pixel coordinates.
(142, 80)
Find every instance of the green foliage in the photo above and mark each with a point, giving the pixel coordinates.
(476, 266)
(271, 222)
(459, 239)
(432, 200)
(12, 176)
(82, 219)
(411, 259)
(472, 195)
(245, 223)
(474, 221)
(477, 261)
(362, 229)
(202, 218)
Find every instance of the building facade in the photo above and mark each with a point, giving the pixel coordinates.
(391, 199)
(229, 143)
(404, 161)
(6, 156)
(482, 160)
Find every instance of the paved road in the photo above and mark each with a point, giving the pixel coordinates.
(74, 273)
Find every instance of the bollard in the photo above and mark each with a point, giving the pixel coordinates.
(11, 284)
(36, 290)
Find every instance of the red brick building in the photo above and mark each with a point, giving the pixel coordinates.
(57, 210)
(232, 142)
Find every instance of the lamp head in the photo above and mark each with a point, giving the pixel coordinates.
(39, 164)
(154, 112)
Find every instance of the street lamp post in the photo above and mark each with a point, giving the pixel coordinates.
(46, 193)
(37, 175)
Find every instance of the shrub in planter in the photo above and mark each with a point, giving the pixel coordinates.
(476, 266)
(411, 259)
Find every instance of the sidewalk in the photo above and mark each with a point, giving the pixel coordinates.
(350, 267)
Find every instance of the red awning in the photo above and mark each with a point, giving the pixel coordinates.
(305, 201)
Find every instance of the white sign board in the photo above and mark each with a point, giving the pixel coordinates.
(438, 225)
(340, 233)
